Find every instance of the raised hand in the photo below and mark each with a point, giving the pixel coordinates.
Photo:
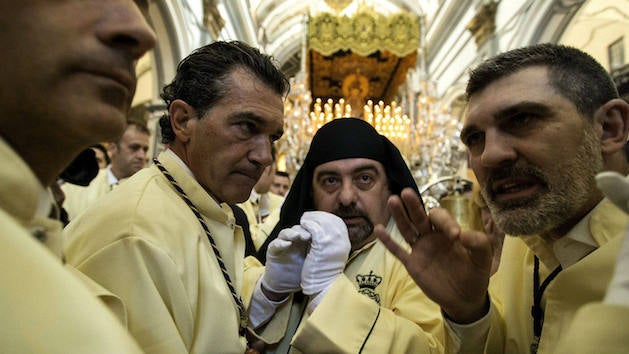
(450, 265)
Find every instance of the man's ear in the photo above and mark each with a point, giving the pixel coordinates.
(112, 148)
(614, 119)
(181, 115)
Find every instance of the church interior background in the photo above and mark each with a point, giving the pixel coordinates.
(399, 64)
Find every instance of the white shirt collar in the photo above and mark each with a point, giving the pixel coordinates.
(577, 243)
(111, 179)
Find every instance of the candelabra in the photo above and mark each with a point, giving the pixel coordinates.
(298, 130)
(436, 148)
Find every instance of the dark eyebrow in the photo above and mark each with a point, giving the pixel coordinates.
(366, 167)
(525, 106)
(255, 118)
(324, 173)
(510, 111)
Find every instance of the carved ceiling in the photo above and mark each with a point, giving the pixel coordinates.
(280, 24)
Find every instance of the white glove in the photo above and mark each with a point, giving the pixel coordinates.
(615, 187)
(618, 291)
(329, 249)
(285, 259)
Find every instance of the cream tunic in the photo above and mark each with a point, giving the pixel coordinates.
(43, 307)
(144, 244)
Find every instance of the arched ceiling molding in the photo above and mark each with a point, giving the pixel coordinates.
(242, 21)
(172, 43)
(439, 28)
(273, 19)
(549, 19)
(450, 46)
(288, 42)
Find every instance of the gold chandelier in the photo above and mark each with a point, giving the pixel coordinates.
(388, 120)
(412, 117)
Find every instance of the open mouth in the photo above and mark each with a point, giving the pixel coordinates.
(514, 189)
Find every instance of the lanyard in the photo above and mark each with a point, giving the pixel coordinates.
(536, 310)
(244, 318)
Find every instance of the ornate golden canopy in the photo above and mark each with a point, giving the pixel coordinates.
(365, 56)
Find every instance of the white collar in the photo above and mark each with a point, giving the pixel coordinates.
(111, 179)
(577, 243)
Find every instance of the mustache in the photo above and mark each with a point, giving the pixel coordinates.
(350, 212)
(513, 171)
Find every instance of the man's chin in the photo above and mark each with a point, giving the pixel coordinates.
(358, 233)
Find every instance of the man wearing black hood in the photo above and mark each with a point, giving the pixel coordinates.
(364, 301)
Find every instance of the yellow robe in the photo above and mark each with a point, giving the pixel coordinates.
(79, 198)
(43, 307)
(144, 244)
(586, 281)
(373, 307)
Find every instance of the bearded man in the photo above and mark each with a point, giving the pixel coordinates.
(359, 296)
(541, 122)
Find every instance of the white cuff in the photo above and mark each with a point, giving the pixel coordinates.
(261, 308)
(470, 337)
(618, 291)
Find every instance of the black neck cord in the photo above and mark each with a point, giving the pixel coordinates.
(536, 310)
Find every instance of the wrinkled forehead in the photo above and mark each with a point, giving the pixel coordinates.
(525, 86)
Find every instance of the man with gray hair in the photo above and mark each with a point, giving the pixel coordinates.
(541, 122)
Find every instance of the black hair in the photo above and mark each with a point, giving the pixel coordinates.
(283, 174)
(202, 77)
(573, 73)
(103, 150)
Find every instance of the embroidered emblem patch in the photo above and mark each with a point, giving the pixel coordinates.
(367, 284)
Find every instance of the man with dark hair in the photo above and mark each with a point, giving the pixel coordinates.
(541, 122)
(360, 297)
(128, 156)
(174, 254)
(68, 77)
(281, 183)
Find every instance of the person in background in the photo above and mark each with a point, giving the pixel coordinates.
(360, 298)
(281, 183)
(128, 156)
(541, 122)
(102, 155)
(166, 242)
(262, 207)
(68, 78)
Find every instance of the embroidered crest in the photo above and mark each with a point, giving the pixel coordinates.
(367, 284)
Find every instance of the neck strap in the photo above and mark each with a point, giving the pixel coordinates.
(536, 310)
(244, 318)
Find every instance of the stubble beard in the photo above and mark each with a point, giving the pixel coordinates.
(567, 188)
(360, 232)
